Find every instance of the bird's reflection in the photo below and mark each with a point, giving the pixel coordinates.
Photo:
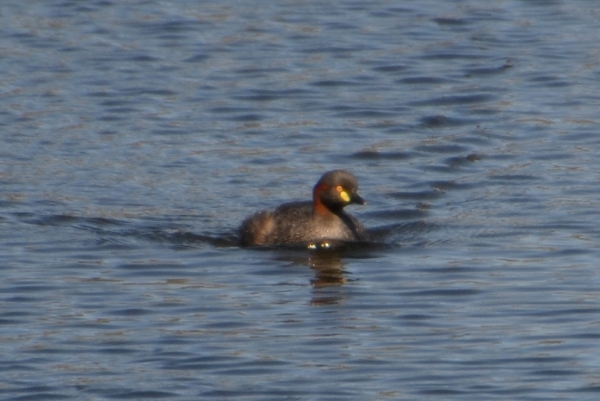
(325, 259)
(328, 279)
(328, 268)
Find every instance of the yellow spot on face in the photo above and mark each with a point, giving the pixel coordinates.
(344, 195)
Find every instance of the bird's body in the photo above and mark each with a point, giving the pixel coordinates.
(305, 222)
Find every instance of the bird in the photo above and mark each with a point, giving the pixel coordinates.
(312, 223)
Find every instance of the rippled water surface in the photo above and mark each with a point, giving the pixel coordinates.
(136, 136)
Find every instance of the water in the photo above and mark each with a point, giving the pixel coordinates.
(137, 135)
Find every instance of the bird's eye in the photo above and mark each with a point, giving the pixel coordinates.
(339, 188)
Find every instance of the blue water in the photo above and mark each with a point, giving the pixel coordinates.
(136, 136)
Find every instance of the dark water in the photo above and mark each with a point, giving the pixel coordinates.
(137, 135)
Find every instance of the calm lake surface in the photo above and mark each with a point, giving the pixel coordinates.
(137, 135)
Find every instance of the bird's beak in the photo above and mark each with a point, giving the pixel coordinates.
(357, 199)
